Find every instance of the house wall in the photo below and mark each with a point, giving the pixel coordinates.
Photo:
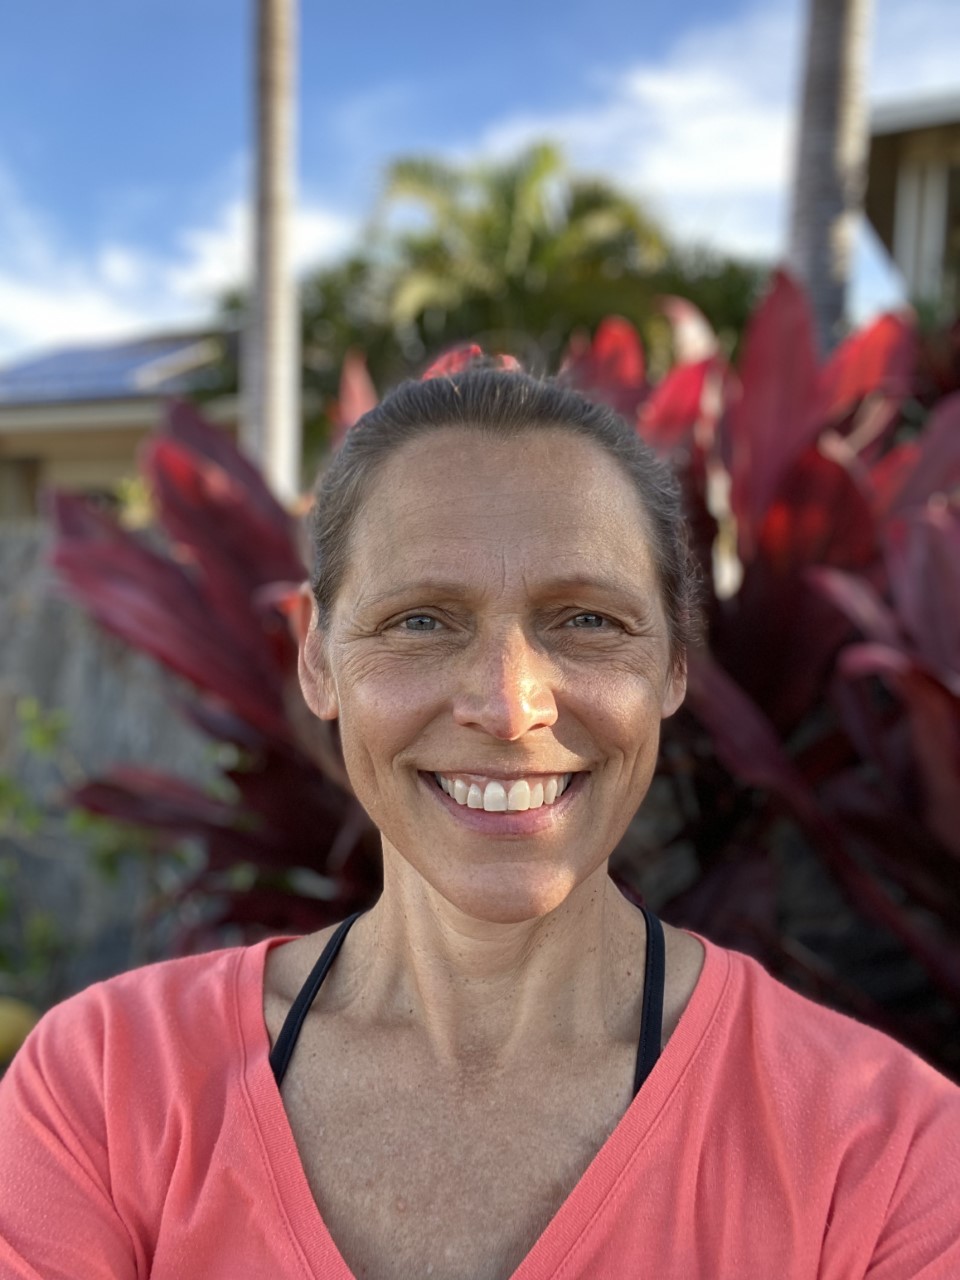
(88, 447)
(913, 201)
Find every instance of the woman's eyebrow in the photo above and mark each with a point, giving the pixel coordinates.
(448, 589)
(417, 586)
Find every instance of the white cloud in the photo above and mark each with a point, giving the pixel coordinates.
(49, 294)
(706, 134)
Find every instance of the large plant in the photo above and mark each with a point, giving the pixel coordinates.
(823, 719)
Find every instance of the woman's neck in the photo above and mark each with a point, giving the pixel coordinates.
(483, 993)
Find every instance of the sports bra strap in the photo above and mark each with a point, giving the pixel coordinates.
(651, 1022)
(282, 1051)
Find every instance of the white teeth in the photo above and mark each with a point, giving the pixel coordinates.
(500, 797)
(518, 797)
(495, 797)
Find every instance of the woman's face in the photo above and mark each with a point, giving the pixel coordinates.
(499, 623)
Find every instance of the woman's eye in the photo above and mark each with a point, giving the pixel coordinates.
(588, 621)
(418, 622)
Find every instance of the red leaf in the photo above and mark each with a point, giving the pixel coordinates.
(778, 637)
(875, 359)
(923, 559)
(453, 361)
(676, 405)
(161, 610)
(888, 476)
(777, 414)
(149, 798)
(611, 368)
(934, 714)
(187, 426)
(937, 468)
(357, 395)
(856, 598)
(820, 515)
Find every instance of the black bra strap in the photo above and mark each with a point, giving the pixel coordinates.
(651, 1021)
(282, 1051)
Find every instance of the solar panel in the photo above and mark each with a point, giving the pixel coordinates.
(146, 367)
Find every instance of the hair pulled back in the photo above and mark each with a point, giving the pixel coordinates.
(502, 404)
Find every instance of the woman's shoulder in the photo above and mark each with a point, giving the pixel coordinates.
(148, 1021)
(778, 1034)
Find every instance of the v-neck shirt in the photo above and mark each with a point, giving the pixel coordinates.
(144, 1136)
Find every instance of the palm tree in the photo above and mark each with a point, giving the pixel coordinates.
(831, 158)
(512, 253)
(271, 363)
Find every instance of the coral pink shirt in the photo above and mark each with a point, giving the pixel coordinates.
(142, 1134)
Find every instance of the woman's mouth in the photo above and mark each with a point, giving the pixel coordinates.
(505, 806)
(504, 795)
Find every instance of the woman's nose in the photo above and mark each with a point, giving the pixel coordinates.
(506, 687)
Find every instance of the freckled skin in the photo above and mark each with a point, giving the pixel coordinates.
(480, 658)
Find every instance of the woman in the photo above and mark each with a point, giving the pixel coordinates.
(503, 1069)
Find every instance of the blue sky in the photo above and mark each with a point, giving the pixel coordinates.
(124, 129)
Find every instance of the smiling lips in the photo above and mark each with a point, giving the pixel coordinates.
(511, 795)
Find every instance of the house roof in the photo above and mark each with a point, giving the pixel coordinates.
(906, 114)
(164, 365)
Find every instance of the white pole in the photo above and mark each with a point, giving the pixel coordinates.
(271, 357)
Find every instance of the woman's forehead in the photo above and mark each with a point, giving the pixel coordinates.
(462, 502)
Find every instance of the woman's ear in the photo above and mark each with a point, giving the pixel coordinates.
(316, 681)
(675, 689)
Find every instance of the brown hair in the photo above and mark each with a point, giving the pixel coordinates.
(503, 403)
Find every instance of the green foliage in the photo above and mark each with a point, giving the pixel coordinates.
(33, 942)
(515, 256)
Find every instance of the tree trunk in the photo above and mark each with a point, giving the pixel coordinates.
(271, 360)
(831, 158)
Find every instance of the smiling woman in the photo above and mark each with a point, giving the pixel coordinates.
(503, 1068)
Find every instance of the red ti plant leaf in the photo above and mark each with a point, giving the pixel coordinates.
(888, 475)
(778, 636)
(152, 799)
(453, 361)
(877, 359)
(749, 749)
(937, 467)
(693, 337)
(923, 559)
(689, 395)
(234, 550)
(159, 608)
(357, 396)
(777, 413)
(205, 440)
(933, 711)
(611, 368)
(857, 598)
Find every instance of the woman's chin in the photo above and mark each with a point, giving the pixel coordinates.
(507, 895)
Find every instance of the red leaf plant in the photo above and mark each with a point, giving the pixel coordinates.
(820, 744)
(205, 596)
